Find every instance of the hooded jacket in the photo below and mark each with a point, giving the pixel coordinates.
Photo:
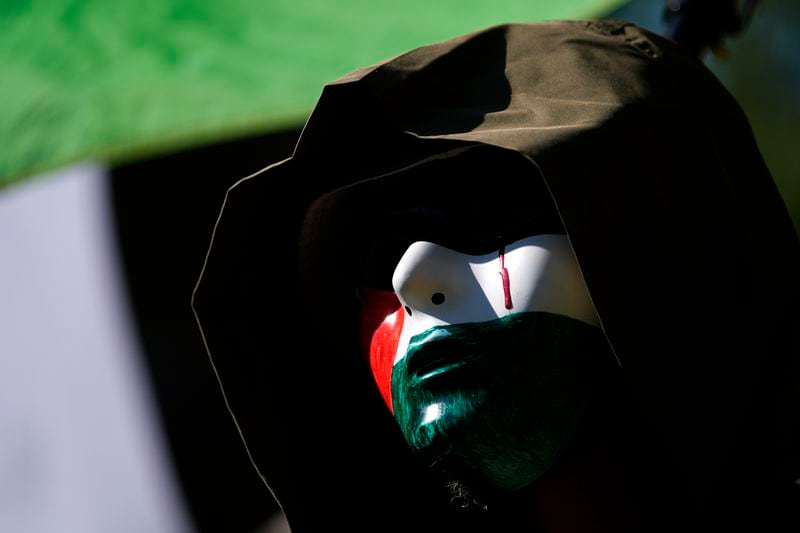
(683, 240)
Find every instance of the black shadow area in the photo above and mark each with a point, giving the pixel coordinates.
(165, 210)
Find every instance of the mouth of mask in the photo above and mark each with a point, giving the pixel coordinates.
(496, 403)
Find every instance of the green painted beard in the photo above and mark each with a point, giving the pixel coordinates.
(494, 404)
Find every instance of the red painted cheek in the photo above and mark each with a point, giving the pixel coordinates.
(381, 322)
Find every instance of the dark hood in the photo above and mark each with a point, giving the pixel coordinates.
(686, 247)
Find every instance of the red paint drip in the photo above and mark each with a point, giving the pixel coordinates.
(506, 280)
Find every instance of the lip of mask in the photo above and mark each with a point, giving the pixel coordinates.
(496, 403)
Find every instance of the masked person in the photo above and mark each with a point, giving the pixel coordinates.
(534, 278)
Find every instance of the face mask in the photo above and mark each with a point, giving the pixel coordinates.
(486, 361)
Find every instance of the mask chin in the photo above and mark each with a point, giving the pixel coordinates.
(497, 403)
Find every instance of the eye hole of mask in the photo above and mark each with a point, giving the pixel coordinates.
(472, 203)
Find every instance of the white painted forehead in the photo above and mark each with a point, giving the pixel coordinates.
(438, 285)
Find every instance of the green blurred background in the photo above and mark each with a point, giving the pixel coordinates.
(125, 81)
(121, 81)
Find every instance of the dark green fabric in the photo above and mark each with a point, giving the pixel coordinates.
(119, 81)
(684, 242)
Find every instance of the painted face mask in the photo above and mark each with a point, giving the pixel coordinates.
(486, 360)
